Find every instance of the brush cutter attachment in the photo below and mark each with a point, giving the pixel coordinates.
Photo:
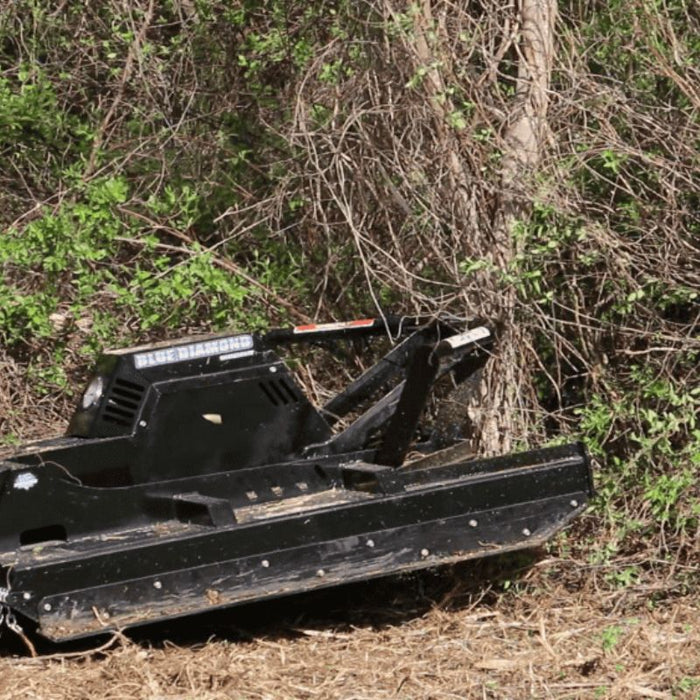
(197, 475)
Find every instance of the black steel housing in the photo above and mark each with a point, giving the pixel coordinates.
(198, 475)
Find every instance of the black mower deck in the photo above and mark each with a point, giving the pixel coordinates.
(197, 476)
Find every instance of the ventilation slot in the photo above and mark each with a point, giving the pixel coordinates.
(278, 392)
(269, 394)
(282, 384)
(123, 402)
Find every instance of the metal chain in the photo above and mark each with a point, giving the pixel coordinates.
(7, 615)
(4, 610)
(12, 623)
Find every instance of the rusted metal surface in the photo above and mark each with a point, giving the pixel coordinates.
(298, 504)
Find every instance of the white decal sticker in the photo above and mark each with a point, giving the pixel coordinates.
(25, 481)
(236, 355)
(193, 351)
(472, 336)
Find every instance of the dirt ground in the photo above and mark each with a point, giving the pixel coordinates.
(552, 629)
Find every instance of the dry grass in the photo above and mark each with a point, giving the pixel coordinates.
(541, 639)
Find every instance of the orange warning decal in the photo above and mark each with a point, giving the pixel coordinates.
(322, 327)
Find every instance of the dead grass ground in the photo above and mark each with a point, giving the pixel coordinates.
(557, 632)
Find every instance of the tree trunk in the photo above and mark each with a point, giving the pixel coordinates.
(502, 415)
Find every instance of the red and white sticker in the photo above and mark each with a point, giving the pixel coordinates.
(326, 327)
